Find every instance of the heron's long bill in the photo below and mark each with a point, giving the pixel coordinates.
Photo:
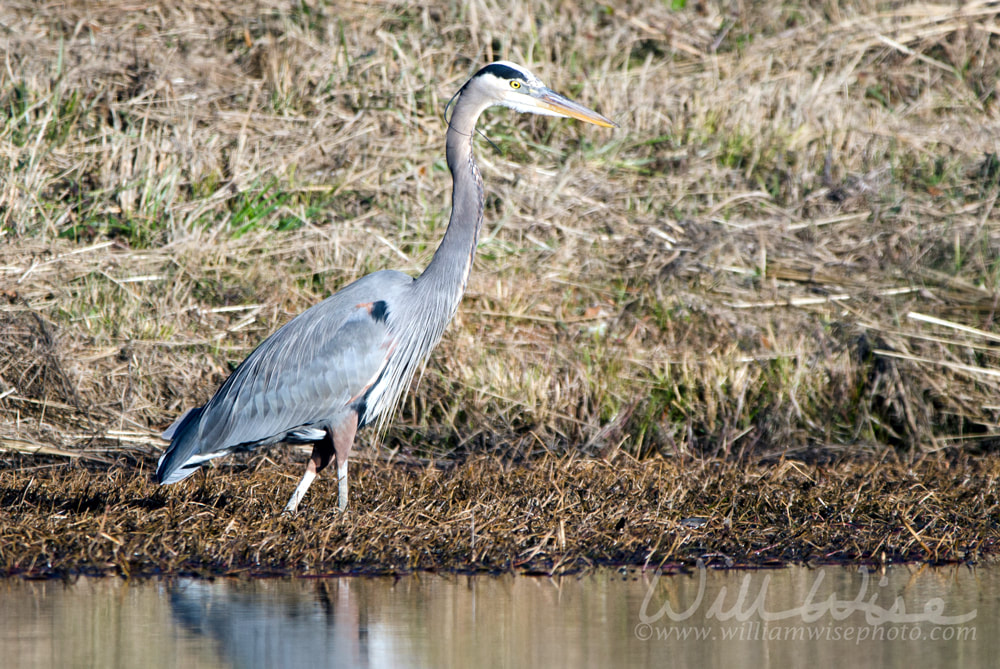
(552, 101)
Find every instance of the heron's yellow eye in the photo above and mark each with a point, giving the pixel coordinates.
(515, 84)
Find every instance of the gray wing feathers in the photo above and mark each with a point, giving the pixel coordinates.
(170, 431)
(307, 372)
(299, 376)
(303, 377)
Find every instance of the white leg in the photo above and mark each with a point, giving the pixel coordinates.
(342, 482)
(300, 490)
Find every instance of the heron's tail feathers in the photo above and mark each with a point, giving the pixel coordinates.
(182, 458)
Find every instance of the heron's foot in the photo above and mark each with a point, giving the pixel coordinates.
(293, 504)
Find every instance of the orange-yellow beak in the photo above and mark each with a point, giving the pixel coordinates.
(562, 106)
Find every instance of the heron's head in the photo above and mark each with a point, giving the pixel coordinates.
(511, 85)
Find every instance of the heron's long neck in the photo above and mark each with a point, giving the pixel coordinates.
(448, 271)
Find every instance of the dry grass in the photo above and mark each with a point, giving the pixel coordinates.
(568, 514)
(790, 248)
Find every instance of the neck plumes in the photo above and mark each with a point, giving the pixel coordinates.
(448, 272)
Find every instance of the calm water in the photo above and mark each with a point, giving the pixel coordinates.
(904, 617)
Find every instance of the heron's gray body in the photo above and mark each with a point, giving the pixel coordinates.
(345, 362)
(303, 378)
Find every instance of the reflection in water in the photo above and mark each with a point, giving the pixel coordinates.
(785, 617)
(269, 624)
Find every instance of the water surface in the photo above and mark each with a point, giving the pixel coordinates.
(902, 617)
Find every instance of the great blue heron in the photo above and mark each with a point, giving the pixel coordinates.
(346, 361)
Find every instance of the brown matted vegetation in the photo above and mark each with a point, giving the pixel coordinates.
(555, 514)
(790, 249)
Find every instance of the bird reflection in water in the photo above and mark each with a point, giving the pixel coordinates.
(266, 623)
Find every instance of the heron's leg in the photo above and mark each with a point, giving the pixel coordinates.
(343, 439)
(320, 458)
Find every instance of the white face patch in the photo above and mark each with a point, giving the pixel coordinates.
(513, 86)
